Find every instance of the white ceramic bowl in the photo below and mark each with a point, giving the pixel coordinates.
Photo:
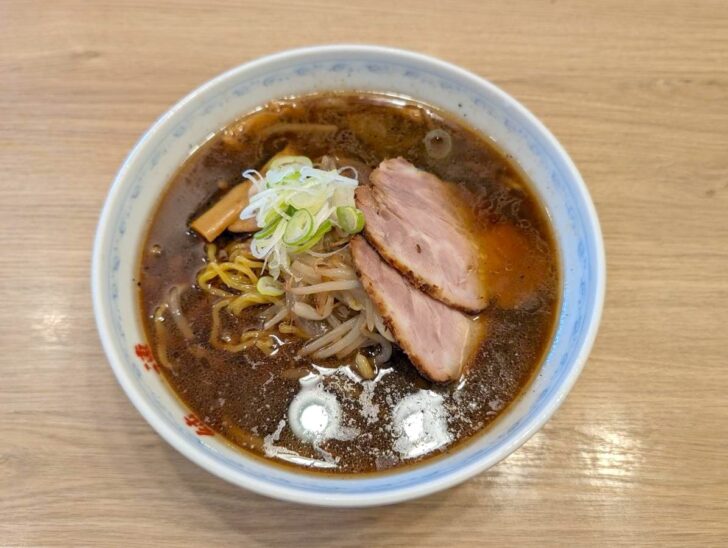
(149, 166)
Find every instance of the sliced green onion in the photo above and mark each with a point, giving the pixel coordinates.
(351, 219)
(297, 204)
(278, 208)
(269, 287)
(267, 230)
(323, 229)
(308, 200)
(299, 228)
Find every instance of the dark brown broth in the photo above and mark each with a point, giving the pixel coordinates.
(245, 396)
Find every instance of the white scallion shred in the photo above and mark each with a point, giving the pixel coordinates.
(293, 184)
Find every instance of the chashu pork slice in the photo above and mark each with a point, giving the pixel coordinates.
(439, 340)
(424, 228)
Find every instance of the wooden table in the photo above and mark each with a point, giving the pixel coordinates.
(638, 94)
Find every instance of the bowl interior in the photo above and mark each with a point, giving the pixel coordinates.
(188, 124)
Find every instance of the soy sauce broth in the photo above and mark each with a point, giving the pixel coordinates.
(246, 396)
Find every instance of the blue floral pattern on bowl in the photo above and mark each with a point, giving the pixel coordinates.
(187, 125)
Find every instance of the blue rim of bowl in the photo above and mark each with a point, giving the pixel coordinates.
(391, 493)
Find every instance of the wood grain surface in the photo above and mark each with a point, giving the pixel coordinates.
(637, 91)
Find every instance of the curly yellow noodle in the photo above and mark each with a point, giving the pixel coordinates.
(233, 273)
(265, 346)
(244, 283)
(225, 267)
(246, 341)
(244, 301)
(292, 329)
(215, 329)
(161, 334)
(211, 251)
(224, 276)
(206, 275)
(240, 252)
(246, 261)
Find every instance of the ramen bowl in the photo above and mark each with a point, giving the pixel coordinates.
(164, 147)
